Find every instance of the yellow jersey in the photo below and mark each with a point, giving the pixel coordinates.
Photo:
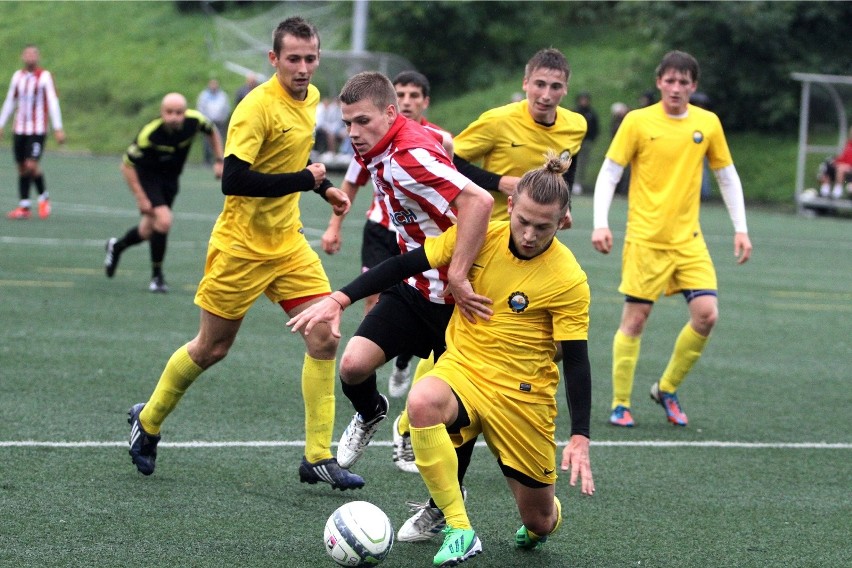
(274, 133)
(536, 302)
(508, 142)
(666, 158)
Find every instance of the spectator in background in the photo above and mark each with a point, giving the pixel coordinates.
(214, 104)
(617, 112)
(245, 88)
(836, 170)
(330, 132)
(646, 99)
(584, 107)
(34, 93)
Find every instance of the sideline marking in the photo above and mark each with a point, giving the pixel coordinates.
(299, 443)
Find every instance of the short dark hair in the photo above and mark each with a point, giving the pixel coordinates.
(679, 61)
(548, 58)
(413, 78)
(295, 26)
(369, 85)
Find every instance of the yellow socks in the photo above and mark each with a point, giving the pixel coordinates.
(687, 350)
(318, 376)
(625, 354)
(180, 372)
(436, 459)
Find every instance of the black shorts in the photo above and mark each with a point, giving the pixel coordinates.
(160, 189)
(403, 321)
(377, 244)
(28, 147)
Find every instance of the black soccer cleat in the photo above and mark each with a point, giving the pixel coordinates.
(143, 446)
(328, 471)
(112, 256)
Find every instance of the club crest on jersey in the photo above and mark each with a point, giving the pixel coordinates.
(698, 137)
(518, 302)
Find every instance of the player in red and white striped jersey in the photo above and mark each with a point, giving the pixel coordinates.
(33, 94)
(423, 195)
(379, 238)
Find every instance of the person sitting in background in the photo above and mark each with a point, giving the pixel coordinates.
(835, 172)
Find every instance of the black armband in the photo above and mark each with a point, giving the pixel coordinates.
(386, 274)
(578, 384)
(482, 178)
(239, 179)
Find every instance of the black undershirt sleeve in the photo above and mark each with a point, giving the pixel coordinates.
(239, 179)
(482, 178)
(386, 274)
(578, 384)
(569, 175)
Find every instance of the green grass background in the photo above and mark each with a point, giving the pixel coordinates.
(77, 349)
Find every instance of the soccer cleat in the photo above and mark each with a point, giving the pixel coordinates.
(621, 417)
(44, 208)
(526, 540)
(403, 453)
(523, 539)
(112, 256)
(459, 545)
(329, 471)
(426, 522)
(399, 381)
(158, 285)
(357, 435)
(669, 402)
(143, 446)
(19, 213)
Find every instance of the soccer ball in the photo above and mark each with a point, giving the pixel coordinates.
(358, 534)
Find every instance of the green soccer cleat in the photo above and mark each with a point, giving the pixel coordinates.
(523, 539)
(459, 545)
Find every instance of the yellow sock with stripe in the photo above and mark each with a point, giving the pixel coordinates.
(436, 459)
(687, 350)
(625, 354)
(318, 376)
(180, 372)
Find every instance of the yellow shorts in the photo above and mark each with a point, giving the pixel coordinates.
(648, 272)
(521, 434)
(231, 284)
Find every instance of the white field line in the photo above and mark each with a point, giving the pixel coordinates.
(300, 443)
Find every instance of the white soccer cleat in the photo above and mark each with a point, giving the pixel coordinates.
(356, 437)
(403, 452)
(399, 381)
(426, 522)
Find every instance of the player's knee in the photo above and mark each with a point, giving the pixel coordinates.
(353, 369)
(322, 346)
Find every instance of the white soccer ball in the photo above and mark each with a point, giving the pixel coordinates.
(358, 534)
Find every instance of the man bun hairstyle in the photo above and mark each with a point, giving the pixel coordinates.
(546, 185)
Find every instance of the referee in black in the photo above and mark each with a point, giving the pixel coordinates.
(152, 165)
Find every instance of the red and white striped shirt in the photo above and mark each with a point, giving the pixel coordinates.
(35, 96)
(417, 182)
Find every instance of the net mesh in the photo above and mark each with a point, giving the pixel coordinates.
(242, 45)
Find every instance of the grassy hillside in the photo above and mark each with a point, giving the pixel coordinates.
(113, 61)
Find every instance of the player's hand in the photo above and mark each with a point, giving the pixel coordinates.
(59, 135)
(340, 203)
(469, 303)
(742, 247)
(602, 240)
(326, 310)
(575, 457)
(331, 241)
(318, 171)
(218, 168)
